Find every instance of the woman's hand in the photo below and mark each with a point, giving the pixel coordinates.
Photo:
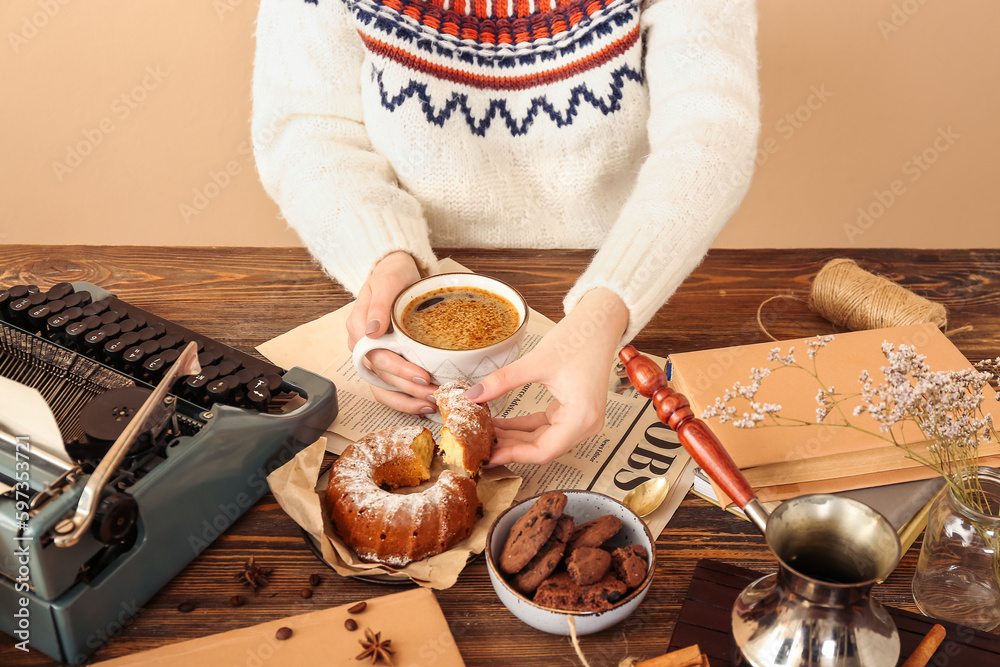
(371, 317)
(574, 363)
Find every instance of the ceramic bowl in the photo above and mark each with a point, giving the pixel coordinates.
(582, 506)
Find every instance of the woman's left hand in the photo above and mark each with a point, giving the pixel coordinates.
(573, 361)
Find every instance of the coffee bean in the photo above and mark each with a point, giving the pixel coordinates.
(283, 633)
(315, 579)
(357, 608)
(306, 593)
(186, 606)
(236, 601)
(351, 624)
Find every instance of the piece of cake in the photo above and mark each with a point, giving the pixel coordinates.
(467, 435)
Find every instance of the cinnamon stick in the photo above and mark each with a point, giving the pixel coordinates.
(925, 649)
(685, 657)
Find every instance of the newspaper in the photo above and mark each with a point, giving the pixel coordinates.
(632, 447)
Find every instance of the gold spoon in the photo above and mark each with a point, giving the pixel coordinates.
(646, 497)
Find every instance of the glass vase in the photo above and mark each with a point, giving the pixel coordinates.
(958, 572)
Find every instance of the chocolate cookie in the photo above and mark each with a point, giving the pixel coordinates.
(564, 528)
(560, 592)
(630, 564)
(587, 565)
(540, 567)
(546, 560)
(531, 531)
(596, 532)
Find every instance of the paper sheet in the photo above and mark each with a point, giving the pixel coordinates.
(633, 446)
(25, 414)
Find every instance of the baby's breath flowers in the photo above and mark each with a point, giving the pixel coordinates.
(945, 405)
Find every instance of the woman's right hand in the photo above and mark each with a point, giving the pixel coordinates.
(371, 317)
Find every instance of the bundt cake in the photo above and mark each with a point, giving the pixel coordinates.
(467, 436)
(398, 528)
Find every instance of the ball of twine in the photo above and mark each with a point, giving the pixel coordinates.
(853, 298)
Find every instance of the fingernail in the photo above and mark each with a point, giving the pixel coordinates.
(426, 410)
(372, 327)
(419, 380)
(475, 391)
(432, 398)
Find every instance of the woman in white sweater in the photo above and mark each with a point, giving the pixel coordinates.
(385, 127)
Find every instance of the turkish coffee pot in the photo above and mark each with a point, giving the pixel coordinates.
(817, 610)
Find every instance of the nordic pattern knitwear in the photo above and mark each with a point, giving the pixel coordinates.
(627, 126)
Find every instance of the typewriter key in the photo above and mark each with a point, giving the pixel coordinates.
(77, 330)
(210, 357)
(59, 291)
(96, 308)
(96, 339)
(228, 367)
(140, 318)
(78, 299)
(57, 323)
(110, 317)
(219, 390)
(170, 341)
(147, 333)
(128, 324)
(157, 363)
(39, 314)
(258, 395)
(17, 310)
(115, 348)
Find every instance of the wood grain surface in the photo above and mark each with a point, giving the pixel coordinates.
(244, 296)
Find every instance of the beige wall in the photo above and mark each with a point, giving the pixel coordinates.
(126, 122)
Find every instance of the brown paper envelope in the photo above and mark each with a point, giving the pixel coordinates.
(411, 619)
(786, 491)
(849, 464)
(705, 375)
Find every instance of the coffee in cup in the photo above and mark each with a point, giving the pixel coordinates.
(453, 325)
(460, 318)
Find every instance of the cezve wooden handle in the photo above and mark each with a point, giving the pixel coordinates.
(674, 410)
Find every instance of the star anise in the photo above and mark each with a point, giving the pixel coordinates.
(375, 648)
(254, 575)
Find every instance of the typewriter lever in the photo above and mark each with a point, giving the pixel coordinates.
(69, 531)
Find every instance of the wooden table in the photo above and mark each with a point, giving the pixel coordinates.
(244, 296)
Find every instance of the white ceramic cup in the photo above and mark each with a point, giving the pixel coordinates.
(442, 364)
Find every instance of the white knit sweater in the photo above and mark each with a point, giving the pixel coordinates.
(383, 125)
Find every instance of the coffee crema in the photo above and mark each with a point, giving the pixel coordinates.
(459, 318)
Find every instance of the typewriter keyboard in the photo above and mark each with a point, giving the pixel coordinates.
(124, 345)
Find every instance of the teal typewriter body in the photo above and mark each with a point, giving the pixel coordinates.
(200, 462)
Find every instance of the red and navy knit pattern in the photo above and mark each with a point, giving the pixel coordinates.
(562, 54)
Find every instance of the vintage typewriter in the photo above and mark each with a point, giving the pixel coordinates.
(90, 531)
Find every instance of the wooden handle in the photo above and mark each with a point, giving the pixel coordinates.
(673, 409)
